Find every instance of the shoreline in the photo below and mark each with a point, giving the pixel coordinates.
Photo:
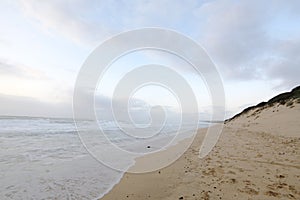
(139, 160)
(135, 165)
(251, 160)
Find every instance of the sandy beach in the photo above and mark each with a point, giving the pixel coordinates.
(256, 157)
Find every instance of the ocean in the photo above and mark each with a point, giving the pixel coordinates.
(43, 158)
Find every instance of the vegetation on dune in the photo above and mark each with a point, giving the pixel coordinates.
(287, 98)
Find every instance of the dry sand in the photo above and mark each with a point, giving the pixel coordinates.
(256, 157)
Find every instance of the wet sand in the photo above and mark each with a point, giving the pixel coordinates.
(256, 157)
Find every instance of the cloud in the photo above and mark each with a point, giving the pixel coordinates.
(248, 40)
(5, 42)
(235, 33)
(164, 13)
(28, 106)
(234, 36)
(21, 106)
(23, 80)
(239, 37)
(73, 20)
(89, 22)
(8, 68)
(286, 68)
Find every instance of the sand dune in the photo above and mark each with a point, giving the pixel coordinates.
(257, 157)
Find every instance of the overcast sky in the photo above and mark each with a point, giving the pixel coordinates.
(254, 44)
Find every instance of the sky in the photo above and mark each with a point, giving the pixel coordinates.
(254, 44)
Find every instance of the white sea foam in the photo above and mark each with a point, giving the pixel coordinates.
(43, 158)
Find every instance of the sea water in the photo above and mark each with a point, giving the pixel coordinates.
(44, 158)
